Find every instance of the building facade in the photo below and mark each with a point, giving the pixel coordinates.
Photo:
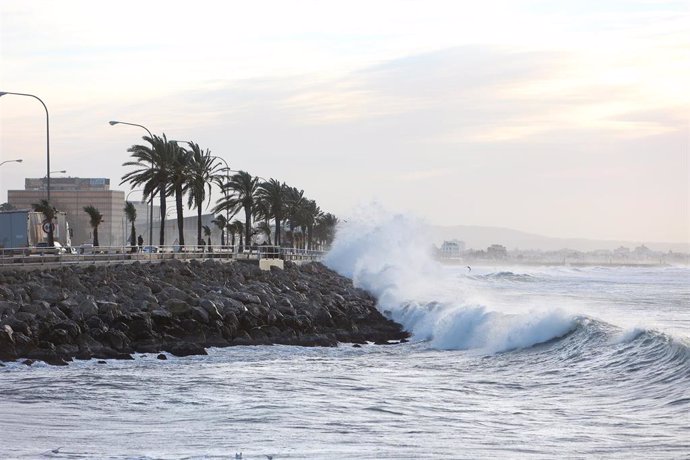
(70, 195)
(452, 249)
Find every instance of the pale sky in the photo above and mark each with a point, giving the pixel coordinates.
(567, 119)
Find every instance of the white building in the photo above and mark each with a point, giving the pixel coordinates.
(452, 249)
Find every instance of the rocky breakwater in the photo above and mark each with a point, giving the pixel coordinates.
(83, 312)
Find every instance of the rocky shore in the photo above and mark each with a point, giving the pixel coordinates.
(84, 312)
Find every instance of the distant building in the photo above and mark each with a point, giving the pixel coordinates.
(497, 251)
(643, 252)
(621, 252)
(452, 249)
(70, 195)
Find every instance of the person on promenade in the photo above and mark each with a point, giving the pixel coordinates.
(140, 243)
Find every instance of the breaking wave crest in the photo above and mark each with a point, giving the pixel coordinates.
(389, 257)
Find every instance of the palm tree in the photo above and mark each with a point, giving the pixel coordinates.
(153, 172)
(265, 229)
(236, 228)
(324, 230)
(242, 187)
(272, 195)
(307, 215)
(49, 212)
(95, 219)
(202, 173)
(131, 214)
(179, 170)
(293, 202)
(207, 234)
(262, 211)
(221, 222)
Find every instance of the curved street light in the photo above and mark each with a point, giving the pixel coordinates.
(113, 123)
(2, 93)
(11, 161)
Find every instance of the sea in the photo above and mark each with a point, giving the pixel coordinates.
(503, 362)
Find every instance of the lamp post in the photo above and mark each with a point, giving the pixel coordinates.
(2, 93)
(11, 161)
(113, 123)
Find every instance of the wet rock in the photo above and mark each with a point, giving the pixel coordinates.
(161, 356)
(111, 312)
(186, 349)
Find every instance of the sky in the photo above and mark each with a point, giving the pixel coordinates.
(566, 119)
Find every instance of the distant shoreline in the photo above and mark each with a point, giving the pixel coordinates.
(503, 263)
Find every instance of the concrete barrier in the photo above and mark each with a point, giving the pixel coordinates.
(266, 264)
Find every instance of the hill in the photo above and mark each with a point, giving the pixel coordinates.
(479, 237)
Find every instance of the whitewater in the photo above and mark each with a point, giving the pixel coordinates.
(503, 361)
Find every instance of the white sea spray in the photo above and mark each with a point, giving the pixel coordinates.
(389, 256)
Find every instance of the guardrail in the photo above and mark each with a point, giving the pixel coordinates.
(126, 254)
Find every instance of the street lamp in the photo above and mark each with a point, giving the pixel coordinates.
(2, 93)
(113, 123)
(11, 161)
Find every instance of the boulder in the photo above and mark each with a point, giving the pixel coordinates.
(245, 297)
(210, 308)
(177, 307)
(84, 310)
(200, 315)
(8, 308)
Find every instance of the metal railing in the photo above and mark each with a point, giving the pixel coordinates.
(87, 254)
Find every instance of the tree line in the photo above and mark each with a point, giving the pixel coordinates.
(171, 171)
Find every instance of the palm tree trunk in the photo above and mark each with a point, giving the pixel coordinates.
(162, 227)
(133, 235)
(180, 216)
(247, 226)
(277, 231)
(222, 237)
(95, 236)
(51, 237)
(198, 223)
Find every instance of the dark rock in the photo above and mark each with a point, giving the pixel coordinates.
(177, 307)
(200, 315)
(245, 297)
(111, 312)
(186, 349)
(161, 356)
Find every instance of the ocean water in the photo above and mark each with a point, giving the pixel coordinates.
(505, 362)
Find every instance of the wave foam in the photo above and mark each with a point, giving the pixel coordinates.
(389, 256)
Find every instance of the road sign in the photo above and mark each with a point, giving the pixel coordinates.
(48, 226)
